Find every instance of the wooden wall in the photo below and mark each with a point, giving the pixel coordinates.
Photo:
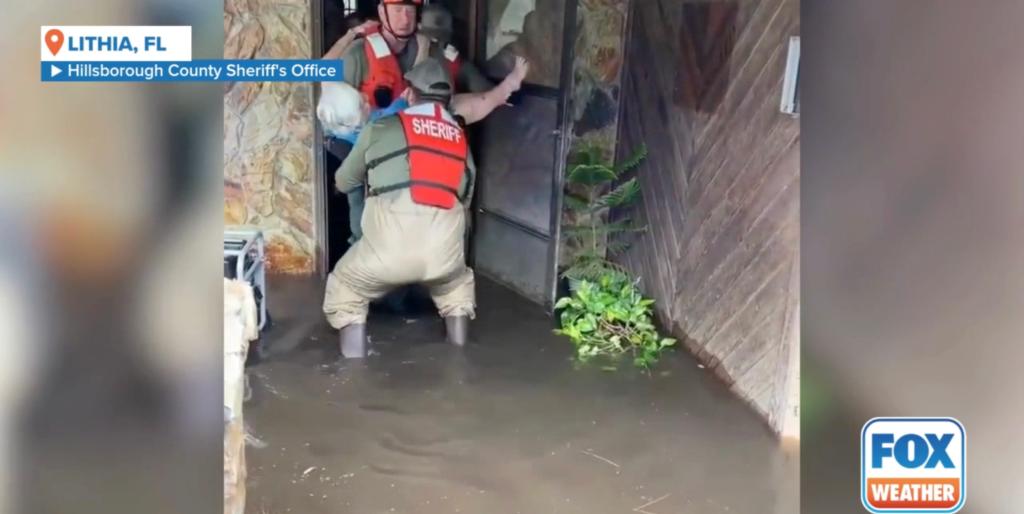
(720, 187)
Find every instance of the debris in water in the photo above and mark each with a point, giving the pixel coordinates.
(274, 391)
(255, 442)
(701, 366)
(641, 508)
(308, 471)
(596, 456)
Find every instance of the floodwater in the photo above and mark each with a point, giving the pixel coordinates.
(506, 425)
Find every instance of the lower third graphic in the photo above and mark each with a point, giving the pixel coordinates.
(193, 71)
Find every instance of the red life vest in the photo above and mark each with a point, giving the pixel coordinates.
(385, 72)
(437, 151)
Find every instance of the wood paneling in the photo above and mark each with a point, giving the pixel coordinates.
(721, 185)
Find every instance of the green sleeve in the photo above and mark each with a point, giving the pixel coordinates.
(355, 64)
(352, 172)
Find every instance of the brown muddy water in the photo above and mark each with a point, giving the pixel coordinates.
(506, 425)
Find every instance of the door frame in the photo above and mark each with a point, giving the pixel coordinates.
(562, 146)
(320, 190)
(563, 133)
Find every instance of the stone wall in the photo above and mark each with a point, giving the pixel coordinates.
(597, 65)
(597, 76)
(269, 167)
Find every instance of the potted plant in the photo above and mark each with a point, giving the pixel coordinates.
(610, 317)
(591, 194)
(605, 313)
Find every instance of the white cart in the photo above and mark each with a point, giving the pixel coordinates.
(244, 259)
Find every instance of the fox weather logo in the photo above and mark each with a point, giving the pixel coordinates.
(913, 465)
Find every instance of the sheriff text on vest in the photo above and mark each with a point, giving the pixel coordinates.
(436, 128)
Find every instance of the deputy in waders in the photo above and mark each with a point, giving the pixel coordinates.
(420, 175)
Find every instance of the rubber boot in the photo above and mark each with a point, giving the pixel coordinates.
(458, 329)
(352, 340)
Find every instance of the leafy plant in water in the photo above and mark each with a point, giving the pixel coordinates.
(610, 317)
(592, 195)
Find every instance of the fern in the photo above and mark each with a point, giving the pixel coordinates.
(617, 247)
(591, 174)
(625, 194)
(632, 162)
(590, 178)
(607, 228)
(588, 154)
(576, 203)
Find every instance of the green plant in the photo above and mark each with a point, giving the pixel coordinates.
(610, 317)
(589, 197)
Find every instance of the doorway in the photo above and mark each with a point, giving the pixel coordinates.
(519, 150)
(335, 231)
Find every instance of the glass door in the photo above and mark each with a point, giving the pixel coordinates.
(519, 149)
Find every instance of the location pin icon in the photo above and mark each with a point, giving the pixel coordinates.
(54, 40)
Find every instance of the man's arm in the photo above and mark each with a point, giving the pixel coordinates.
(342, 45)
(354, 63)
(352, 172)
(473, 107)
(472, 79)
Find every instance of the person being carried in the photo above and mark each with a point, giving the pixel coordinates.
(421, 177)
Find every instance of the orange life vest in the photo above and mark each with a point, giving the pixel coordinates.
(437, 152)
(385, 72)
